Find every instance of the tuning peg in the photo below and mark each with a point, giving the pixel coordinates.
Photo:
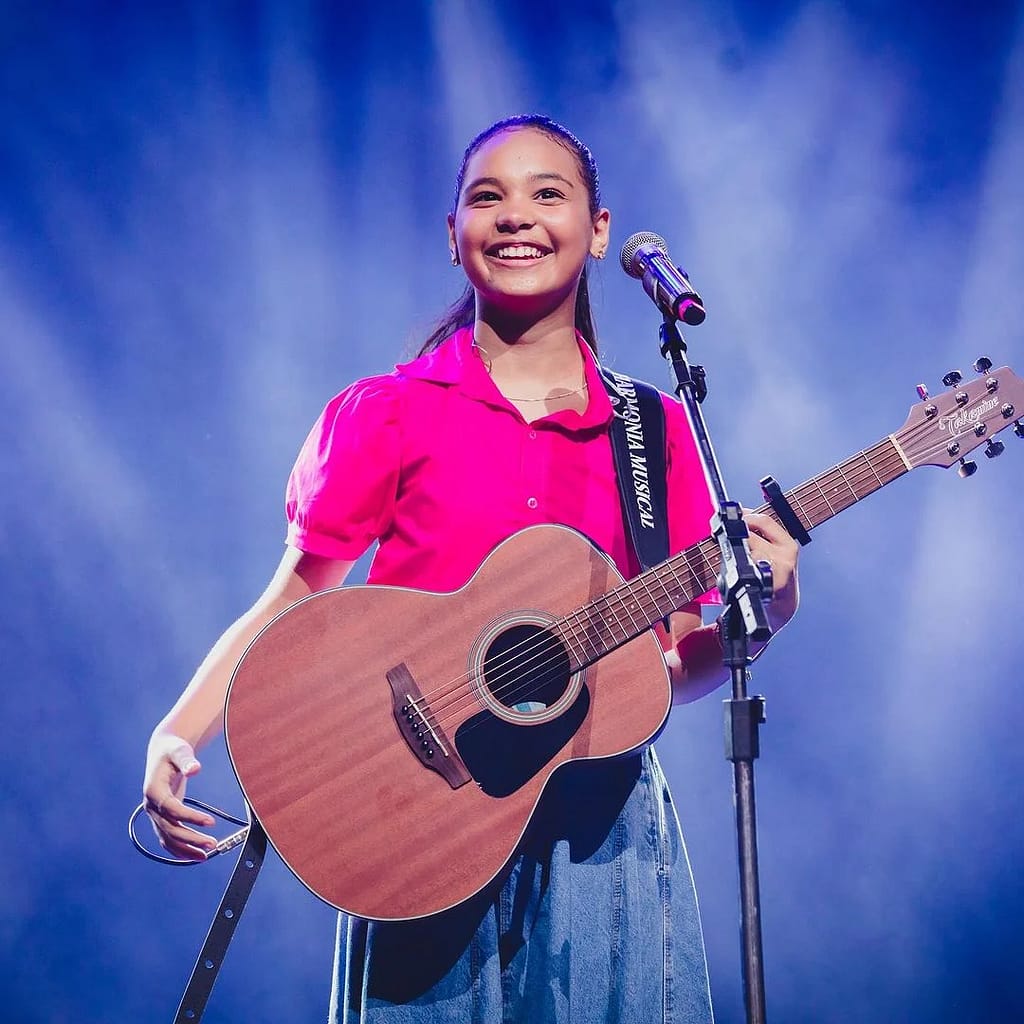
(952, 378)
(1018, 428)
(967, 468)
(922, 392)
(982, 364)
(993, 448)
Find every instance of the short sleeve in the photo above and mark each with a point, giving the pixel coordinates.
(689, 501)
(341, 493)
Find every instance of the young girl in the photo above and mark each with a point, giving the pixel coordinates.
(501, 423)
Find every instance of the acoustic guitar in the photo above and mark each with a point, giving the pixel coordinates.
(394, 743)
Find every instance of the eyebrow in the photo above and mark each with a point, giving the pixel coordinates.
(542, 176)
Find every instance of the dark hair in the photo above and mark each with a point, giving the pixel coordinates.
(463, 311)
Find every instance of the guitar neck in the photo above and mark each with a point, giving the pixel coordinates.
(618, 616)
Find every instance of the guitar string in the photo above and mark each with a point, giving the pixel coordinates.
(546, 644)
(891, 460)
(573, 624)
(700, 576)
(508, 684)
(574, 621)
(542, 647)
(644, 580)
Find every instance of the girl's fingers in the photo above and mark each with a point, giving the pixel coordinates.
(766, 528)
(175, 810)
(173, 835)
(179, 847)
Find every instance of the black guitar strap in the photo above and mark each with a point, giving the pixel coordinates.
(232, 903)
(638, 447)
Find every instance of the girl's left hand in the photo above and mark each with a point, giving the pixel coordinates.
(771, 543)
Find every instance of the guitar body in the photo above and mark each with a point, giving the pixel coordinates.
(394, 743)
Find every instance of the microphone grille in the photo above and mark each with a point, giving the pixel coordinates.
(633, 243)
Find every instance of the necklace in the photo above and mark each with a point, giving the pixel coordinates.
(563, 393)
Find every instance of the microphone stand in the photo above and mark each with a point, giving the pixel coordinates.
(744, 587)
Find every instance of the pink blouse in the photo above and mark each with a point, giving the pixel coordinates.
(432, 462)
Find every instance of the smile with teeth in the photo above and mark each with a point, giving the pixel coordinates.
(518, 252)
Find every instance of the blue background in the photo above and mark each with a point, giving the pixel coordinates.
(213, 216)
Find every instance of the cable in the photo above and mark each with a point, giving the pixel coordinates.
(223, 846)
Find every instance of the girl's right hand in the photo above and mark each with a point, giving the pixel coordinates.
(170, 762)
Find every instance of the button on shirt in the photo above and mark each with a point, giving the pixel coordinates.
(435, 464)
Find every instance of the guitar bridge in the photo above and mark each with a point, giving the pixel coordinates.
(426, 739)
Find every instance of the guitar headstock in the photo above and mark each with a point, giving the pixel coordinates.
(941, 430)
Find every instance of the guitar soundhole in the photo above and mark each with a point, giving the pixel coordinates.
(526, 668)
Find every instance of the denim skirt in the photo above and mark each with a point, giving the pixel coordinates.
(597, 922)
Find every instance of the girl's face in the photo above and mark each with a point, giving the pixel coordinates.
(523, 228)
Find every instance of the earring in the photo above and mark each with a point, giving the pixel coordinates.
(600, 255)
(455, 258)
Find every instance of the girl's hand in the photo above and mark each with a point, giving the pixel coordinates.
(169, 763)
(771, 543)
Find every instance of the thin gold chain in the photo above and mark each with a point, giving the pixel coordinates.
(551, 398)
(565, 393)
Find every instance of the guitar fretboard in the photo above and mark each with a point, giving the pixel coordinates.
(625, 612)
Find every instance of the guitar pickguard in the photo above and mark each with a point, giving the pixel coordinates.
(503, 756)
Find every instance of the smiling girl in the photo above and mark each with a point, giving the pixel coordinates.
(502, 422)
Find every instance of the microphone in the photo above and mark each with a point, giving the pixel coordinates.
(645, 256)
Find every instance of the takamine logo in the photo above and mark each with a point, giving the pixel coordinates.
(966, 418)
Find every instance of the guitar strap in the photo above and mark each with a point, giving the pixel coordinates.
(638, 448)
(232, 903)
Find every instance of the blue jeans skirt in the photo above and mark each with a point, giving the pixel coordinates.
(597, 922)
